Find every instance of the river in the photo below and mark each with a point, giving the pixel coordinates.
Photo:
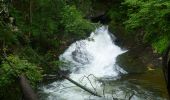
(92, 62)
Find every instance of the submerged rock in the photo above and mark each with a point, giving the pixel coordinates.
(80, 54)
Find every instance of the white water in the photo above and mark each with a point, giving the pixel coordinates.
(94, 56)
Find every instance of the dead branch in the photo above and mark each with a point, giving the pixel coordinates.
(83, 87)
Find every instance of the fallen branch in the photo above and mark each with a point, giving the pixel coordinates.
(74, 82)
(131, 96)
(81, 86)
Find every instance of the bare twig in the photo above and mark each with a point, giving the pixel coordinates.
(87, 77)
(131, 96)
(104, 90)
(92, 84)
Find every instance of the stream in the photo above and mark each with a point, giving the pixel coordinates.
(92, 62)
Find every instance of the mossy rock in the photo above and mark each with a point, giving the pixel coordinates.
(131, 63)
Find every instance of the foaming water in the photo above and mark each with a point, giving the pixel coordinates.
(89, 60)
(96, 54)
(92, 62)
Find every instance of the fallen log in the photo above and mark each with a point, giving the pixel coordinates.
(74, 82)
(83, 87)
(79, 85)
(28, 93)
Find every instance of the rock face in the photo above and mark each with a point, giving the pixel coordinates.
(131, 63)
(138, 60)
(80, 54)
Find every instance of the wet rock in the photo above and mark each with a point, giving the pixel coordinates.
(139, 59)
(131, 63)
(80, 57)
(123, 38)
(80, 54)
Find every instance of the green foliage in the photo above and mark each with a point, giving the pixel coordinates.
(6, 34)
(117, 12)
(153, 17)
(161, 43)
(48, 26)
(52, 22)
(59, 18)
(47, 61)
(9, 74)
(45, 28)
(72, 21)
(85, 6)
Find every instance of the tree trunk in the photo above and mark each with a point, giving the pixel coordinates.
(166, 65)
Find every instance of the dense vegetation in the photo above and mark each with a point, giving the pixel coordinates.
(34, 32)
(147, 19)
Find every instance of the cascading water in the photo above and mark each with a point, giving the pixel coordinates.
(92, 62)
(95, 56)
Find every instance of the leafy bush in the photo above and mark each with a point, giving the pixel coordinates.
(6, 33)
(73, 22)
(45, 28)
(9, 74)
(153, 17)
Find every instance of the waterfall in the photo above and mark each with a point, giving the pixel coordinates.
(94, 58)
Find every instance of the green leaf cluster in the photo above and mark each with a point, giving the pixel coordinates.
(152, 16)
(45, 28)
(6, 34)
(73, 22)
(13, 67)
